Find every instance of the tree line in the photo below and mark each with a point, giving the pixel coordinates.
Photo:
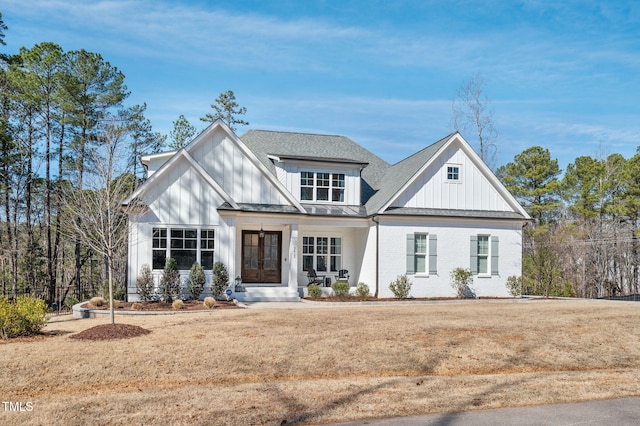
(583, 239)
(70, 150)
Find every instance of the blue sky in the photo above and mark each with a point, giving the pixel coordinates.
(561, 74)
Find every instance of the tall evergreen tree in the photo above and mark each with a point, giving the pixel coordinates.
(40, 67)
(227, 109)
(143, 140)
(532, 178)
(93, 86)
(183, 131)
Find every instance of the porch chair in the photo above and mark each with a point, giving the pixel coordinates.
(314, 278)
(343, 276)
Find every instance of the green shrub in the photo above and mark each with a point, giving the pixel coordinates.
(514, 284)
(144, 283)
(177, 304)
(209, 302)
(461, 281)
(97, 301)
(315, 292)
(220, 279)
(340, 288)
(196, 280)
(401, 287)
(170, 281)
(119, 293)
(25, 317)
(70, 300)
(363, 290)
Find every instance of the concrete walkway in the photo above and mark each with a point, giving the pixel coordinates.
(612, 412)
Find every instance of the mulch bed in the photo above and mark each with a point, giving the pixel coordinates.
(189, 305)
(111, 331)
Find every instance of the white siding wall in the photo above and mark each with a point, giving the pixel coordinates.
(453, 251)
(432, 190)
(234, 172)
(366, 247)
(182, 196)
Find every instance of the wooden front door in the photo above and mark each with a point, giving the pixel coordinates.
(261, 257)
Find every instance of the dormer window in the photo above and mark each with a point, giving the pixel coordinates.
(318, 186)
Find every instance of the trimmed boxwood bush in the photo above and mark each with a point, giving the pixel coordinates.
(315, 292)
(363, 290)
(340, 288)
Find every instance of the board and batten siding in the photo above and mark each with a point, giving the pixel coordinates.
(229, 166)
(472, 192)
(182, 196)
(453, 236)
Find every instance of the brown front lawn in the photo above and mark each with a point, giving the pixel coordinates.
(325, 365)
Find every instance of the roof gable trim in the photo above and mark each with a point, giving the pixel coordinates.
(475, 158)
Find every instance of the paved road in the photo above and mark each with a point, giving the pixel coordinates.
(613, 412)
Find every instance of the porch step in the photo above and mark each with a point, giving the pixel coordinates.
(268, 294)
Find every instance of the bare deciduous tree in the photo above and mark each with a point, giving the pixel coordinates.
(103, 224)
(472, 111)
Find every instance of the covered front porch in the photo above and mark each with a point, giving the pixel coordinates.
(274, 253)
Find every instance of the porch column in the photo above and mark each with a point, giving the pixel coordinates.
(293, 257)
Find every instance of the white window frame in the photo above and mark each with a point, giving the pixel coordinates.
(486, 256)
(163, 241)
(423, 255)
(332, 182)
(332, 253)
(449, 173)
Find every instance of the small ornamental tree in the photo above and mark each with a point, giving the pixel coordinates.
(196, 280)
(401, 287)
(170, 281)
(144, 283)
(220, 279)
(514, 284)
(461, 281)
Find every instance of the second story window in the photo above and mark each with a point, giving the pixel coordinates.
(324, 187)
(306, 186)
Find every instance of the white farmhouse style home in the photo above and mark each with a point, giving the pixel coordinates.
(275, 206)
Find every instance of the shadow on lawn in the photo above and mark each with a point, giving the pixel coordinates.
(299, 413)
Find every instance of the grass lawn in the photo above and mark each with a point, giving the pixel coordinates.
(325, 365)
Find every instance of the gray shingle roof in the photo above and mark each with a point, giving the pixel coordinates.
(400, 173)
(264, 143)
(484, 214)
